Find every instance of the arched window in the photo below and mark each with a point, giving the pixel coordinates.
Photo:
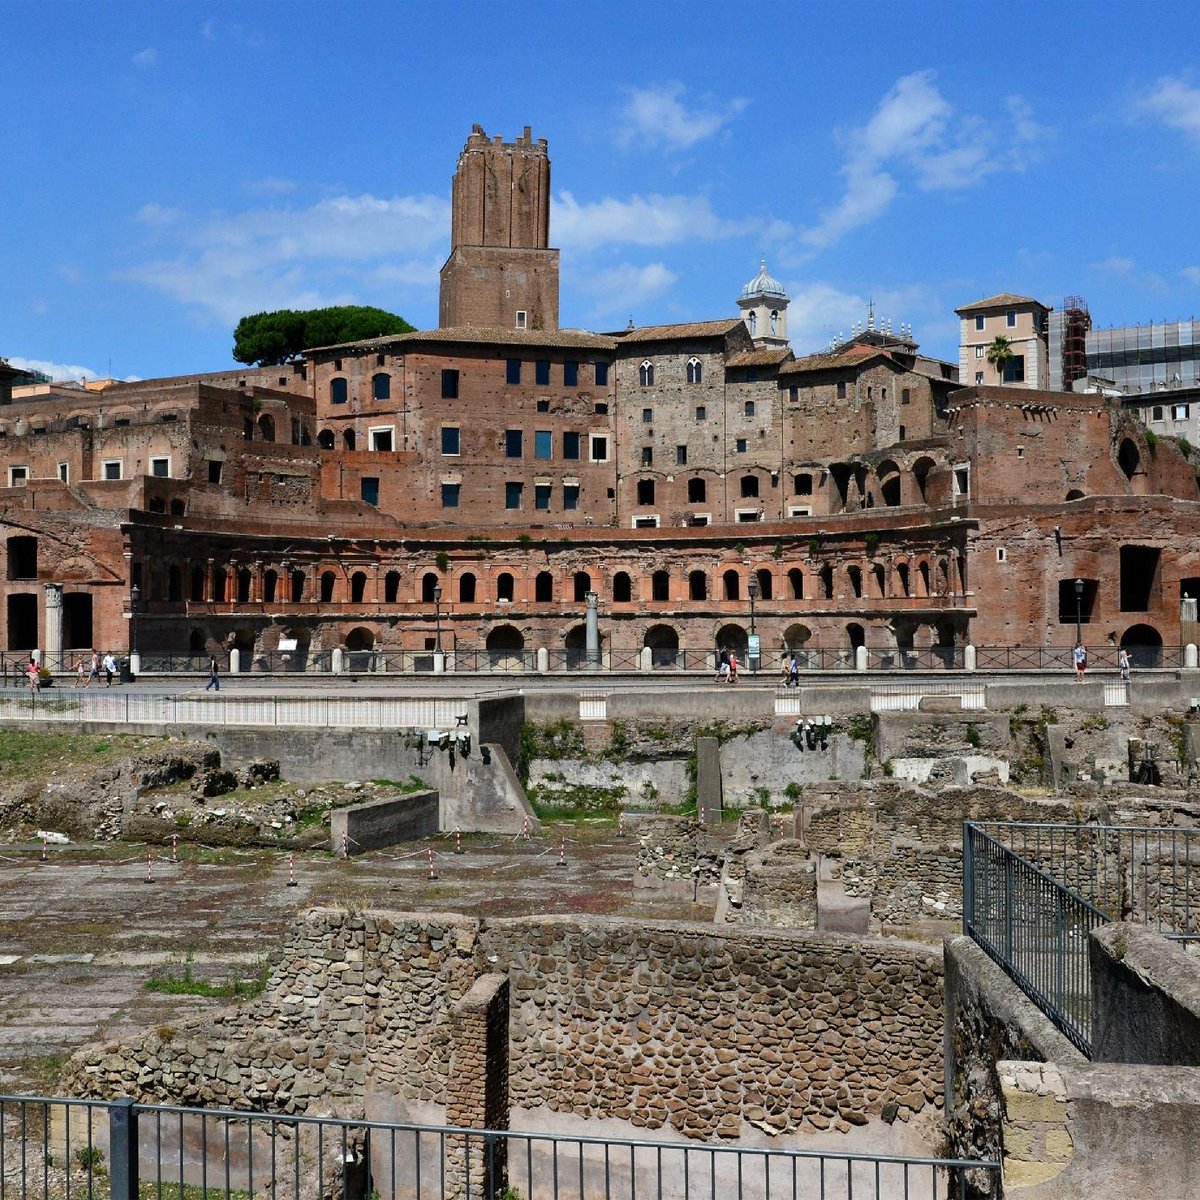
(583, 585)
(749, 487)
(174, 583)
(622, 588)
(645, 491)
(697, 491)
(391, 587)
(646, 374)
(764, 584)
(381, 386)
(348, 439)
(325, 439)
(178, 508)
(752, 321)
(270, 586)
(694, 370)
(774, 321)
(543, 587)
(796, 583)
(854, 574)
(660, 586)
(428, 582)
(697, 585)
(802, 484)
(298, 580)
(466, 588)
(266, 427)
(358, 587)
(733, 585)
(338, 391)
(157, 504)
(328, 582)
(504, 587)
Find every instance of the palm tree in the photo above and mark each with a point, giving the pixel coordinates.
(1000, 354)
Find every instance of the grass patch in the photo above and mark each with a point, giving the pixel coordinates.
(153, 1189)
(185, 983)
(29, 752)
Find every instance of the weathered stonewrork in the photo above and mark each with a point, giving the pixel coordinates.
(700, 1032)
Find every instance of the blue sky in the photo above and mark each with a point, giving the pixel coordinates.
(172, 166)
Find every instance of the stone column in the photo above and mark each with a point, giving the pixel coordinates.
(53, 627)
(593, 631)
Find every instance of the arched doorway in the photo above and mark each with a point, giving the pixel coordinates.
(505, 648)
(575, 647)
(294, 646)
(663, 643)
(360, 644)
(795, 640)
(733, 637)
(1144, 645)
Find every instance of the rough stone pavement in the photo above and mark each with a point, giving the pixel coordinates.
(82, 932)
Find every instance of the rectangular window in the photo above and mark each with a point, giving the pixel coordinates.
(602, 408)
(541, 372)
(647, 456)
(450, 436)
(740, 446)
(382, 440)
(1010, 318)
(699, 519)
(681, 456)
(1156, 413)
(112, 468)
(570, 445)
(979, 321)
(512, 373)
(368, 489)
(1179, 412)
(543, 444)
(214, 470)
(701, 412)
(450, 493)
(449, 384)
(512, 495)
(1014, 369)
(570, 496)
(647, 416)
(599, 448)
(978, 378)
(64, 472)
(601, 374)
(541, 497)
(17, 476)
(904, 396)
(748, 408)
(543, 406)
(748, 514)
(645, 522)
(512, 443)
(979, 351)
(522, 318)
(160, 467)
(841, 390)
(570, 374)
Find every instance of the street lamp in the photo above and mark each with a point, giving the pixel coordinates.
(1078, 612)
(752, 590)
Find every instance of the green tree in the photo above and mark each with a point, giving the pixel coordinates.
(1000, 354)
(269, 338)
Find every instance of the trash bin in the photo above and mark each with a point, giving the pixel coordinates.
(126, 673)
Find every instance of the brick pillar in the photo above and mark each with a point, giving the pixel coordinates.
(477, 1089)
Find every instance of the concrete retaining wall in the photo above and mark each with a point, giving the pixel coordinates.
(380, 823)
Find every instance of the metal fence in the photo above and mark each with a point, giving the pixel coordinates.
(66, 1148)
(1032, 893)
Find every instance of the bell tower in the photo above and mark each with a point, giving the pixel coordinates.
(501, 272)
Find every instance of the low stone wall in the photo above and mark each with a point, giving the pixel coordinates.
(780, 888)
(694, 1031)
(379, 823)
(677, 854)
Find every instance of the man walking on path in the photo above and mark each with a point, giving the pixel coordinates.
(1079, 654)
(214, 676)
(110, 668)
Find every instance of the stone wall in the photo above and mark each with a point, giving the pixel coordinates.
(688, 1030)
(780, 888)
(676, 851)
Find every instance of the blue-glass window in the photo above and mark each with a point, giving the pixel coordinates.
(450, 494)
(512, 495)
(602, 374)
(512, 443)
(541, 371)
(570, 374)
(543, 444)
(570, 445)
(381, 386)
(513, 371)
(450, 439)
(541, 496)
(571, 495)
(337, 391)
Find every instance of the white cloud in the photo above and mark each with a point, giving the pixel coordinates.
(266, 258)
(57, 371)
(271, 185)
(639, 221)
(657, 117)
(1124, 268)
(1176, 104)
(146, 59)
(158, 214)
(621, 288)
(71, 272)
(916, 132)
(1192, 275)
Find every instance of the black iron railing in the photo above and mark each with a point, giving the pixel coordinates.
(65, 1148)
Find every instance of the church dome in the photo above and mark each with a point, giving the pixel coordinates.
(764, 285)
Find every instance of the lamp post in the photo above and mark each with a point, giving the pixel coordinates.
(752, 649)
(1079, 612)
(439, 659)
(135, 596)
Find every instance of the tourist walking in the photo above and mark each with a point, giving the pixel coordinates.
(723, 666)
(80, 672)
(214, 676)
(1079, 654)
(93, 668)
(35, 678)
(1123, 663)
(110, 668)
(733, 667)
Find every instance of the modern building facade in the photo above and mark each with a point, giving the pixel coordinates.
(1142, 358)
(1021, 320)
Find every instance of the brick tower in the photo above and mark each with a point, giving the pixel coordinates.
(501, 272)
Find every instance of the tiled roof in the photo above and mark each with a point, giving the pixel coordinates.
(766, 357)
(1000, 300)
(567, 338)
(849, 357)
(670, 333)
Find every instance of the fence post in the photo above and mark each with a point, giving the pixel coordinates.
(968, 878)
(123, 1149)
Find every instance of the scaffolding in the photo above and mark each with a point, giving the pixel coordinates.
(1077, 321)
